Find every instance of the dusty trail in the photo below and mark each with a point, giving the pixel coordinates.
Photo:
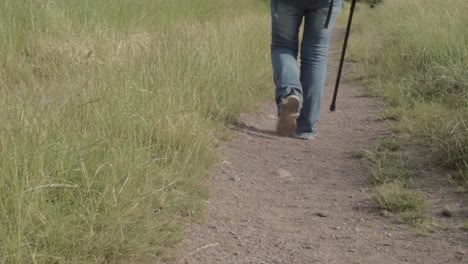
(281, 200)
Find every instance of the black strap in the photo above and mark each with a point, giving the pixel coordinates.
(330, 11)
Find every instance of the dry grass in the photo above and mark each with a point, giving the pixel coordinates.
(110, 113)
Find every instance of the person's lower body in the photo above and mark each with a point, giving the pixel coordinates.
(307, 81)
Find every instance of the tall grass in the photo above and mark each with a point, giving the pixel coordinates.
(109, 116)
(416, 56)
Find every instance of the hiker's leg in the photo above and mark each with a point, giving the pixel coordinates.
(286, 16)
(314, 52)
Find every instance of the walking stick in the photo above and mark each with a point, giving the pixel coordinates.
(343, 53)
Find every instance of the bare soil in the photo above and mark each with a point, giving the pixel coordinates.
(282, 200)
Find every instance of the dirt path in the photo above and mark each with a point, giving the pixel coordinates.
(281, 200)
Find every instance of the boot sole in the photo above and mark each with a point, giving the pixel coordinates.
(287, 124)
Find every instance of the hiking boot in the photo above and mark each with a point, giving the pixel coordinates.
(305, 136)
(289, 112)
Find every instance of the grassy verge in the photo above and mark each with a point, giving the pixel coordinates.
(110, 111)
(416, 58)
(392, 180)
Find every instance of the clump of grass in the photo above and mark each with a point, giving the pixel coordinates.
(392, 177)
(465, 225)
(407, 206)
(389, 167)
(459, 179)
(444, 132)
(392, 113)
(388, 145)
(389, 164)
(359, 154)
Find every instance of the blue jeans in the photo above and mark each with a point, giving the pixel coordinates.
(308, 79)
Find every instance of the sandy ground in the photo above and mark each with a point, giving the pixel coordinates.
(282, 200)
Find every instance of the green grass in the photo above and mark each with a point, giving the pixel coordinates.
(388, 144)
(459, 179)
(465, 225)
(416, 58)
(111, 112)
(389, 164)
(389, 167)
(392, 179)
(405, 205)
(418, 64)
(392, 114)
